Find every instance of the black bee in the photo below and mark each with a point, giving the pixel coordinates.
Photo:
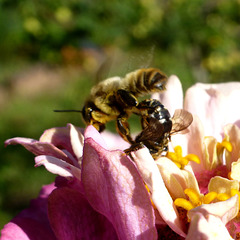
(158, 126)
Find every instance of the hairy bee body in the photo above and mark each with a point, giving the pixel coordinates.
(116, 98)
(137, 83)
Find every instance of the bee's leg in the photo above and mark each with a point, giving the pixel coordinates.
(154, 151)
(99, 126)
(134, 147)
(143, 109)
(123, 128)
(127, 98)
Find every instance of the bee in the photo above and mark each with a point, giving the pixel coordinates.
(116, 99)
(158, 126)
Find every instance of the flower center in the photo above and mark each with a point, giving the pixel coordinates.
(195, 200)
(179, 160)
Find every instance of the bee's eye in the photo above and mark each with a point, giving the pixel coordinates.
(87, 114)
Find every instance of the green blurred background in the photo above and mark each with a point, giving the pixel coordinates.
(52, 52)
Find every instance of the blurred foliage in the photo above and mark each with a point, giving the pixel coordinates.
(203, 34)
(62, 46)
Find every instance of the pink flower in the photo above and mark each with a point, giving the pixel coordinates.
(100, 194)
(214, 137)
(33, 221)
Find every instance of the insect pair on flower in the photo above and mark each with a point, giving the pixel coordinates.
(117, 98)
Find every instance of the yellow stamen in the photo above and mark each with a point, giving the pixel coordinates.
(178, 151)
(179, 160)
(193, 157)
(193, 196)
(223, 196)
(224, 145)
(209, 197)
(196, 200)
(172, 156)
(227, 145)
(182, 161)
(184, 203)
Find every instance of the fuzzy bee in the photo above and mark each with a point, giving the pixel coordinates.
(116, 98)
(158, 126)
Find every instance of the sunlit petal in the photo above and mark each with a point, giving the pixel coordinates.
(235, 170)
(224, 210)
(222, 185)
(210, 153)
(232, 134)
(160, 196)
(58, 166)
(77, 139)
(211, 228)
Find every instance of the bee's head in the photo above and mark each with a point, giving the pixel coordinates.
(89, 116)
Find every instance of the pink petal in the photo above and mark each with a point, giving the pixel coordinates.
(234, 227)
(214, 104)
(114, 188)
(72, 217)
(205, 176)
(61, 137)
(160, 196)
(114, 141)
(58, 166)
(191, 142)
(31, 223)
(39, 148)
(91, 132)
(195, 138)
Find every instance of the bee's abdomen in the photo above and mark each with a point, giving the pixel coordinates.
(147, 80)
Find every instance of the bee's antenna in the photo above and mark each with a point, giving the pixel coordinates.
(68, 110)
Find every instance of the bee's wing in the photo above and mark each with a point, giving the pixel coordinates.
(181, 120)
(151, 132)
